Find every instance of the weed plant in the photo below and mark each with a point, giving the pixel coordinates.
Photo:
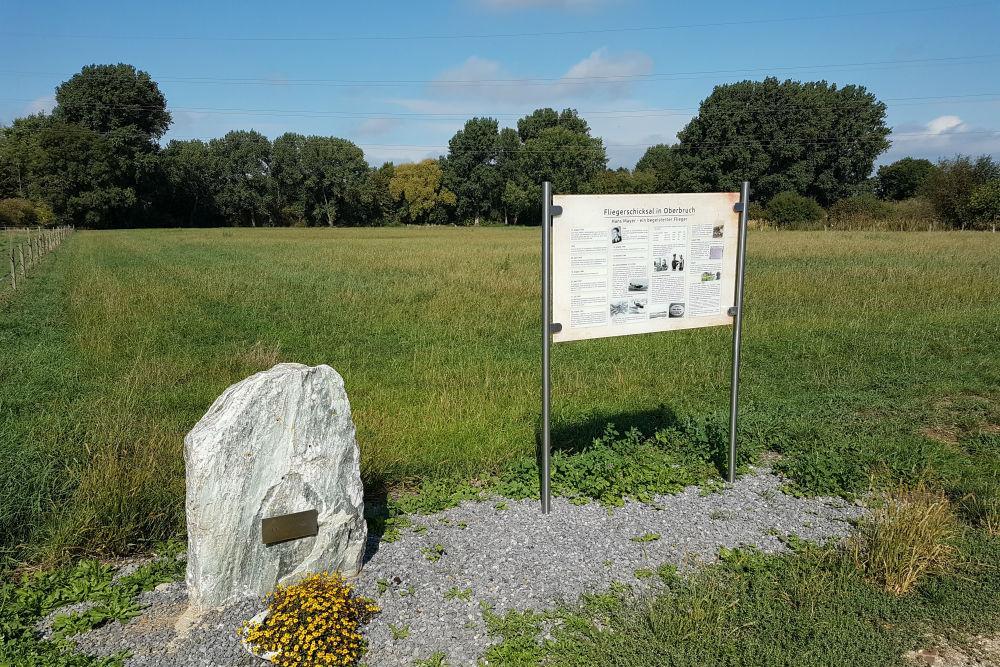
(616, 466)
(907, 537)
(24, 604)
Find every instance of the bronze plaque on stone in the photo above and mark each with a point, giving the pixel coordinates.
(289, 526)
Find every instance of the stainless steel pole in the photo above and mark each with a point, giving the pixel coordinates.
(546, 338)
(741, 260)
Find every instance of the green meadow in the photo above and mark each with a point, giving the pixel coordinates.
(869, 359)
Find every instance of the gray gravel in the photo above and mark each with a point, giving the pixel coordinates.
(509, 559)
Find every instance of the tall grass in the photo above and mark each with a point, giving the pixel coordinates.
(120, 341)
(906, 538)
(869, 215)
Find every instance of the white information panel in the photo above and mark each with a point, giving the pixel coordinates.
(630, 264)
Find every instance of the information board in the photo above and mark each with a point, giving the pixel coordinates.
(630, 264)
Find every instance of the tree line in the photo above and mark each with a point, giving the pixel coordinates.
(96, 161)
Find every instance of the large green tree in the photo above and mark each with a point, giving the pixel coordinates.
(902, 179)
(188, 174)
(663, 163)
(71, 169)
(812, 138)
(570, 160)
(108, 98)
(125, 107)
(512, 198)
(80, 177)
(22, 157)
(319, 179)
(377, 197)
(532, 125)
(557, 147)
(472, 171)
(335, 171)
(242, 166)
(290, 199)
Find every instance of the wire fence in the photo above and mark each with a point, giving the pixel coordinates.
(25, 255)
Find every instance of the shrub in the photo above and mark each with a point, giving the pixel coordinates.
(312, 622)
(914, 213)
(905, 539)
(24, 213)
(951, 185)
(983, 209)
(860, 210)
(790, 208)
(17, 213)
(756, 211)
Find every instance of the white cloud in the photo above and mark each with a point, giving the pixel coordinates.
(943, 136)
(600, 86)
(472, 70)
(371, 127)
(41, 105)
(477, 77)
(571, 5)
(612, 74)
(944, 124)
(599, 75)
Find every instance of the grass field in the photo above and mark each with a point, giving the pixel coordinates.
(864, 354)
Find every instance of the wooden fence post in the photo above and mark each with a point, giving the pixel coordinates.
(20, 252)
(13, 274)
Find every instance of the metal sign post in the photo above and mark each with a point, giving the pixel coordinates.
(621, 245)
(548, 210)
(546, 338)
(741, 260)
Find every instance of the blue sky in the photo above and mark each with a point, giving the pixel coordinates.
(399, 78)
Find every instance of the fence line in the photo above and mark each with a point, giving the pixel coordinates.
(40, 242)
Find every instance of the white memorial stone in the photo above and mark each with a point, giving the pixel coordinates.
(281, 441)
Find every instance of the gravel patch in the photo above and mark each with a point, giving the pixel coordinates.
(508, 559)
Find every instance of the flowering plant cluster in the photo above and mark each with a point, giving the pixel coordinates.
(312, 622)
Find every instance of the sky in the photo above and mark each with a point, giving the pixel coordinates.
(400, 78)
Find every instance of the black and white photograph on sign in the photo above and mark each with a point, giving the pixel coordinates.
(715, 252)
(637, 307)
(619, 307)
(676, 310)
(717, 232)
(673, 263)
(638, 285)
(616, 234)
